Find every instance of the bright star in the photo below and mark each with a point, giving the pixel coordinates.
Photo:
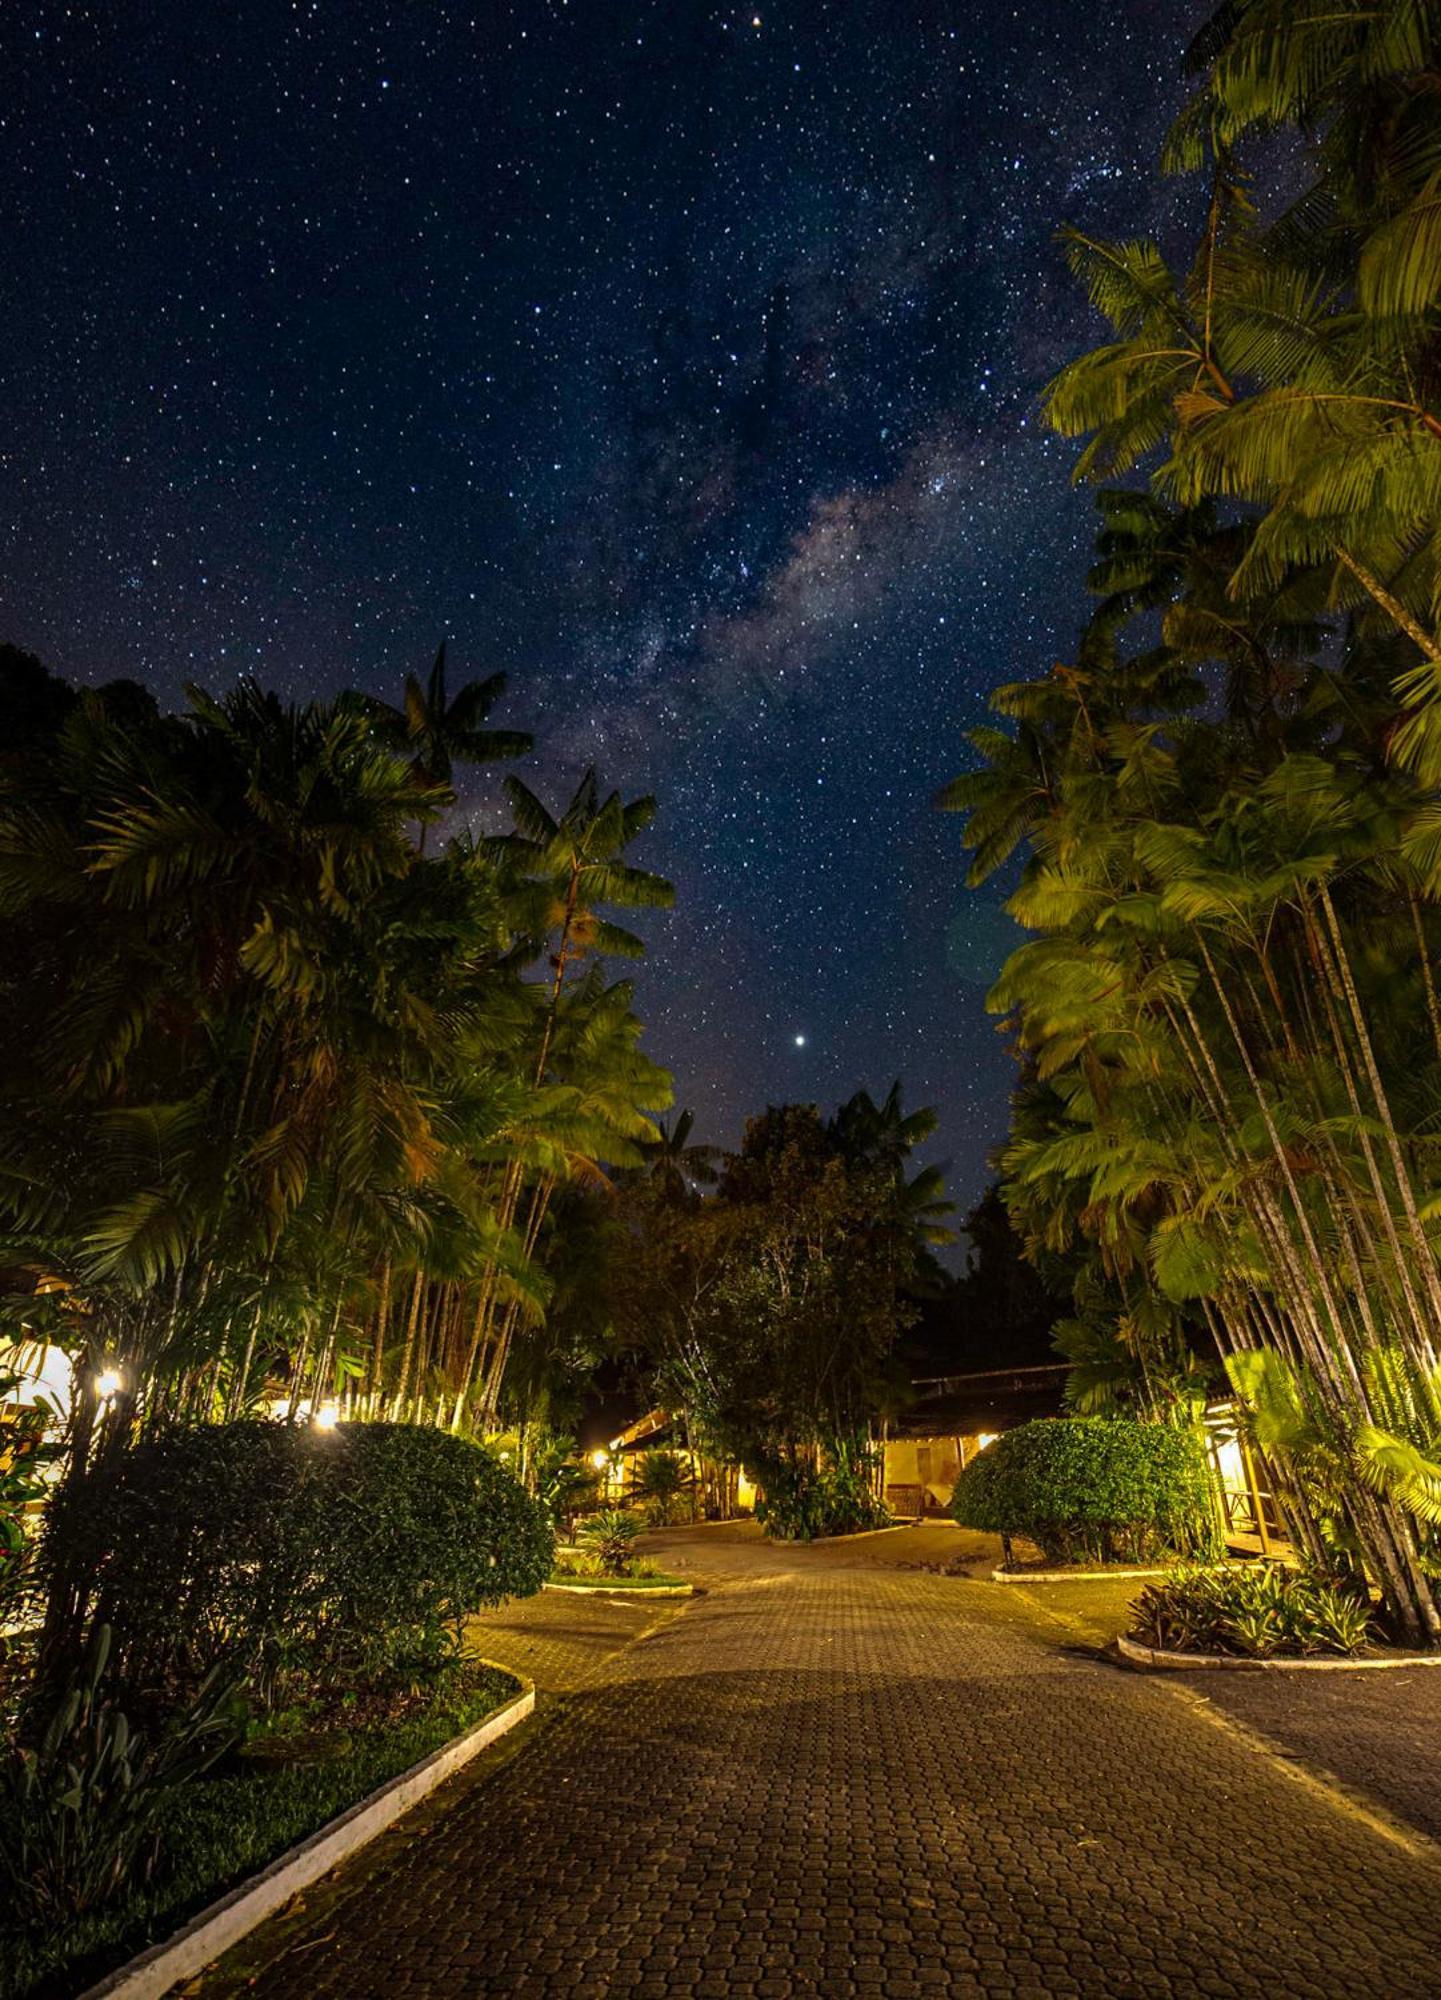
(800, 1041)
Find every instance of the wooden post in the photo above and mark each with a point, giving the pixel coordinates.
(1256, 1508)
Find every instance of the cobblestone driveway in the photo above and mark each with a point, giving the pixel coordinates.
(834, 1775)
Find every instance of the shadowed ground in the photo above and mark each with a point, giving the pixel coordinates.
(837, 1774)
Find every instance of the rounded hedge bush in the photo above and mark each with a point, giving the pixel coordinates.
(1093, 1489)
(276, 1545)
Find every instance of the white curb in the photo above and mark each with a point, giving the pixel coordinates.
(1154, 1656)
(622, 1589)
(1073, 1575)
(221, 1924)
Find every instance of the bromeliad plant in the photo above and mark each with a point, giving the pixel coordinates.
(1252, 1609)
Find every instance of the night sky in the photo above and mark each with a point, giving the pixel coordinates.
(680, 360)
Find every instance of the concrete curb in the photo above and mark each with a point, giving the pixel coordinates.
(1151, 1659)
(622, 1589)
(829, 1541)
(1073, 1575)
(221, 1924)
(690, 1527)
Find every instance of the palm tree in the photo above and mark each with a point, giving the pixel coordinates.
(1230, 1066)
(659, 1480)
(436, 730)
(672, 1164)
(1289, 366)
(561, 873)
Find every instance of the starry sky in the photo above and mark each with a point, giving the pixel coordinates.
(679, 359)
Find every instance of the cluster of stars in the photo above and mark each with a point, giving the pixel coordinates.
(686, 372)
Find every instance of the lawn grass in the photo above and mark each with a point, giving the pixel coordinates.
(230, 1824)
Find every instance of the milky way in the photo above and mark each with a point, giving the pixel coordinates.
(682, 361)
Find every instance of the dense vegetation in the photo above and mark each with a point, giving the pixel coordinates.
(247, 1626)
(769, 1312)
(286, 1554)
(1093, 1489)
(287, 1099)
(1253, 1610)
(290, 1101)
(1228, 1018)
(226, 1822)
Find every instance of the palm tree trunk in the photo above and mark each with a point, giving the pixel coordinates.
(1398, 1163)
(403, 1383)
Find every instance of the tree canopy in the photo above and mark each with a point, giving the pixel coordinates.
(286, 1099)
(1227, 1016)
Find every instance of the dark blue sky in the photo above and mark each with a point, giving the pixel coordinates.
(680, 360)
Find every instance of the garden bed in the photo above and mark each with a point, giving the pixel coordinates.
(237, 1820)
(652, 1586)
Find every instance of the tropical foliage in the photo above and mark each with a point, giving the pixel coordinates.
(661, 1482)
(769, 1313)
(608, 1536)
(1252, 1609)
(199, 1833)
(81, 1809)
(1228, 1020)
(824, 1493)
(288, 1102)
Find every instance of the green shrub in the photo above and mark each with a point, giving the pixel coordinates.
(1254, 1609)
(282, 1547)
(1093, 1489)
(607, 1537)
(803, 1503)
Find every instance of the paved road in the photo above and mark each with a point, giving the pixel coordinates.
(836, 1775)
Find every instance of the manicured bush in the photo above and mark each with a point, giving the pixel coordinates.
(1093, 1489)
(278, 1546)
(1253, 1609)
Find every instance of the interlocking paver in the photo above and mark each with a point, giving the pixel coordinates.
(835, 1775)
